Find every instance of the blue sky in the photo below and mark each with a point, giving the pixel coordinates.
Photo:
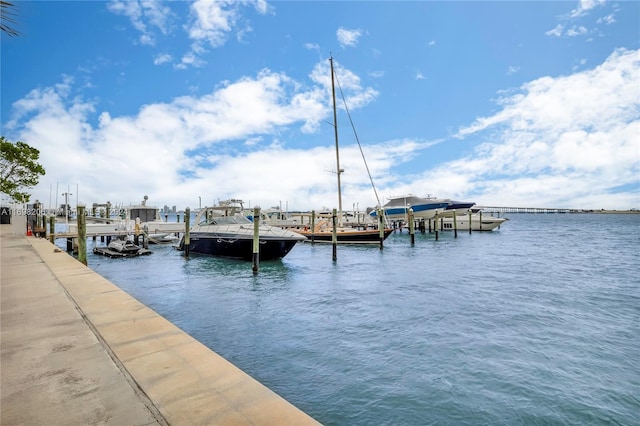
(502, 103)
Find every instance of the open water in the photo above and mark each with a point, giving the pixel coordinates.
(535, 323)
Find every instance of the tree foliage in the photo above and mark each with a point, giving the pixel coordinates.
(19, 169)
(7, 13)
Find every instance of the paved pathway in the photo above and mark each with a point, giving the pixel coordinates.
(77, 350)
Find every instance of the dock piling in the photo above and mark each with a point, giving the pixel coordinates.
(136, 232)
(145, 237)
(187, 236)
(412, 227)
(455, 225)
(435, 224)
(82, 234)
(381, 227)
(52, 229)
(256, 240)
(334, 235)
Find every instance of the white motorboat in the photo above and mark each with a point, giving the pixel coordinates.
(123, 245)
(128, 220)
(477, 221)
(147, 219)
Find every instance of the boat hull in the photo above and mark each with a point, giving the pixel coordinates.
(419, 212)
(346, 236)
(462, 223)
(230, 246)
(398, 208)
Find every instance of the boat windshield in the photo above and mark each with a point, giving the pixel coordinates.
(229, 220)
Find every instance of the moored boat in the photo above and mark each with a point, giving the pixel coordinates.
(323, 233)
(477, 222)
(323, 230)
(397, 207)
(131, 219)
(147, 219)
(225, 232)
(123, 245)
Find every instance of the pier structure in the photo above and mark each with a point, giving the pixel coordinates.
(494, 209)
(76, 349)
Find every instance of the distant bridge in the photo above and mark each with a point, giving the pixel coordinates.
(545, 210)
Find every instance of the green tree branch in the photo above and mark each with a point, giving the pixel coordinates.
(19, 169)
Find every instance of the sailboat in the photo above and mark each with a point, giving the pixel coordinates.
(323, 230)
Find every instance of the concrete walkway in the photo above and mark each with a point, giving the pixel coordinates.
(75, 349)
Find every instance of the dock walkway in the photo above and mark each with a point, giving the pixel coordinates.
(76, 349)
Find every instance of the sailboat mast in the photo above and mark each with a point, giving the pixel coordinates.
(335, 129)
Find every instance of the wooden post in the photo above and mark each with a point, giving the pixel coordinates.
(52, 229)
(313, 226)
(36, 225)
(256, 239)
(334, 235)
(469, 221)
(412, 227)
(145, 237)
(435, 224)
(136, 232)
(187, 236)
(82, 234)
(381, 227)
(455, 225)
(480, 213)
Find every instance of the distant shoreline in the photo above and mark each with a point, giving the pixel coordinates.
(614, 211)
(574, 212)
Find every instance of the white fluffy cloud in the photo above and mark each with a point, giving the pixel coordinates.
(562, 142)
(567, 141)
(190, 147)
(348, 37)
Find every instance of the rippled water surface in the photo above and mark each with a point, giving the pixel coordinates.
(534, 323)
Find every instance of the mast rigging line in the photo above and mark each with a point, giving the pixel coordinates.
(344, 101)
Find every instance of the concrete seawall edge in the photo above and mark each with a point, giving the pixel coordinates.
(180, 380)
